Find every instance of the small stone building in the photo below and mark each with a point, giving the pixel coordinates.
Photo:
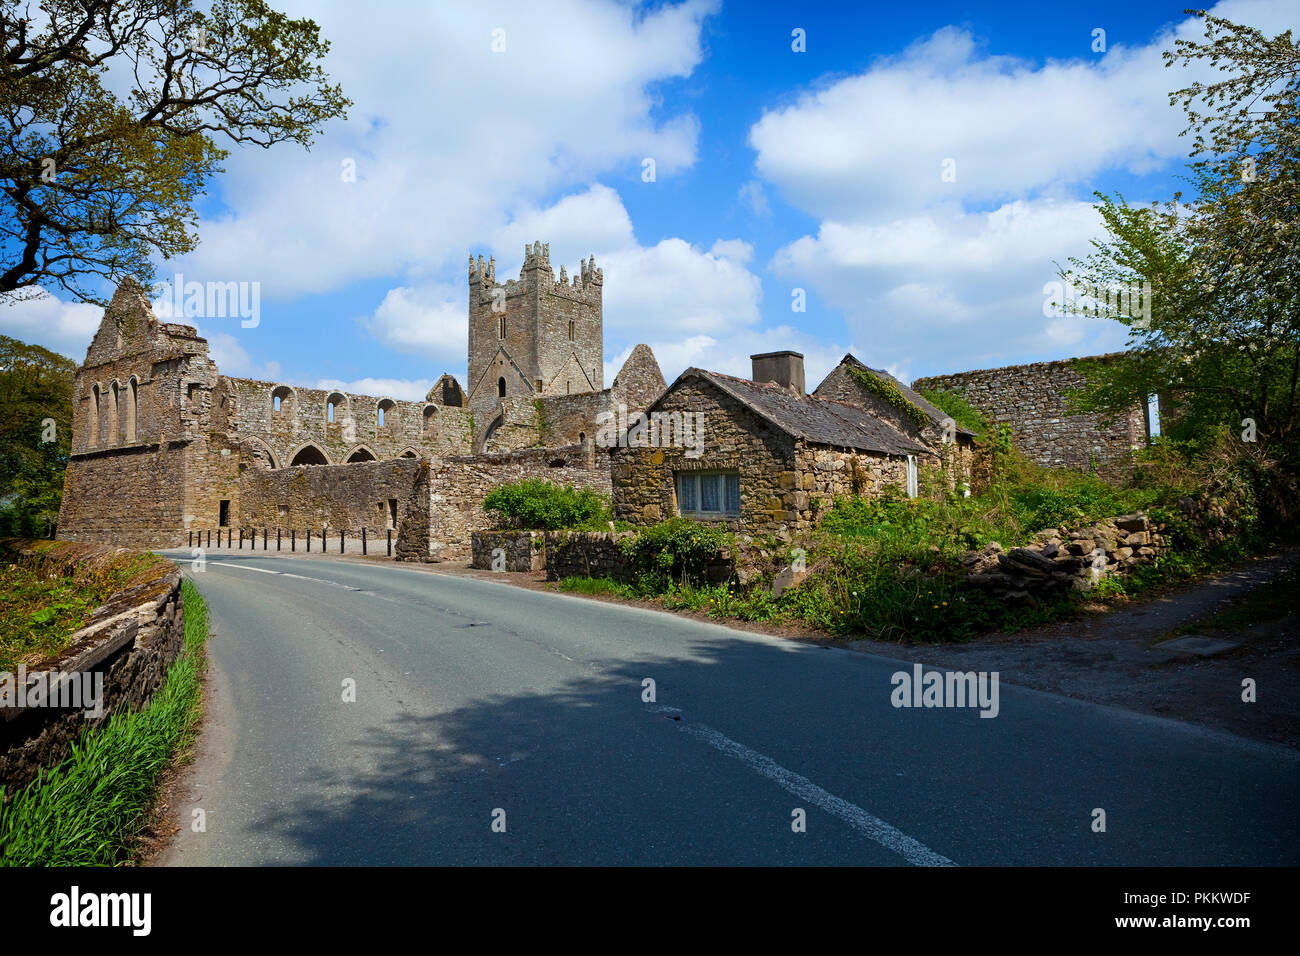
(758, 455)
(886, 397)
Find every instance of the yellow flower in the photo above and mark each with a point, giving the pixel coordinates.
(934, 605)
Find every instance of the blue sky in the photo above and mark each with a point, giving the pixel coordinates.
(775, 170)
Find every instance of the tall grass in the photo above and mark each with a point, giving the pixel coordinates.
(86, 810)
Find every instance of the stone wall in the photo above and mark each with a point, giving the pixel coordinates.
(1032, 399)
(1063, 558)
(126, 496)
(783, 482)
(587, 554)
(554, 420)
(132, 640)
(413, 429)
(458, 485)
(376, 495)
(519, 550)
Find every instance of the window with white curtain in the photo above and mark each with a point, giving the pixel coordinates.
(708, 494)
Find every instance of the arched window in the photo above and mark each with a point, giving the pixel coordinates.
(282, 400)
(386, 413)
(92, 419)
(112, 414)
(429, 412)
(501, 388)
(132, 402)
(333, 406)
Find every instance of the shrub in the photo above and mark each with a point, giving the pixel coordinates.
(675, 550)
(538, 505)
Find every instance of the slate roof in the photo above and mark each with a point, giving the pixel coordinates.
(816, 420)
(936, 415)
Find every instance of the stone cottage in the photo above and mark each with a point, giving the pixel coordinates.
(765, 454)
(886, 397)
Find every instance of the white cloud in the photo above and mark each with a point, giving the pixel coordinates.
(752, 195)
(672, 287)
(449, 137)
(874, 144)
(410, 390)
(941, 276)
(429, 320)
(949, 290)
(63, 327)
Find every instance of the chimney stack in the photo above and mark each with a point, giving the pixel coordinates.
(783, 368)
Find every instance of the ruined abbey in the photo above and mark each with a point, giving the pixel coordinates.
(164, 444)
(166, 448)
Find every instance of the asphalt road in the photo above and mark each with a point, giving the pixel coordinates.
(479, 703)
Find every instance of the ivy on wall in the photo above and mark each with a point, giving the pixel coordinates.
(888, 391)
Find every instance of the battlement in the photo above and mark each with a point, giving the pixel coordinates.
(536, 273)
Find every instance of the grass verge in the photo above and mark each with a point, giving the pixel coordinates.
(88, 809)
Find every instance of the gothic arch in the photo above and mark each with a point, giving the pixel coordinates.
(308, 453)
(92, 417)
(492, 429)
(409, 453)
(361, 453)
(260, 453)
(132, 407)
(340, 404)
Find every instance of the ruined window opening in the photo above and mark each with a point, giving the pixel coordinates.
(132, 401)
(92, 428)
(501, 328)
(582, 438)
(223, 514)
(381, 416)
(501, 388)
(429, 412)
(570, 330)
(282, 511)
(192, 399)
(112, 414)
(392, 512)
(911, 476)
(329, 413)
(708, 494)
(275, 402)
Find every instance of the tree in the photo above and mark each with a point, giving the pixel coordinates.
(96, 185)
(35, 435)
(1222, 333)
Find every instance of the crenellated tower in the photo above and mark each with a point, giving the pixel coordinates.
(533, 336)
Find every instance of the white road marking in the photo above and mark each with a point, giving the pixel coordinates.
(891, 838)
(287, 574)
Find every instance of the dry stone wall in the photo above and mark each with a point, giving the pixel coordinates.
(458, 485)
(1032, 399)
(131, 640)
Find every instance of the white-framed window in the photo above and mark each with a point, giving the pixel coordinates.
(911, 476)
(708, 494)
